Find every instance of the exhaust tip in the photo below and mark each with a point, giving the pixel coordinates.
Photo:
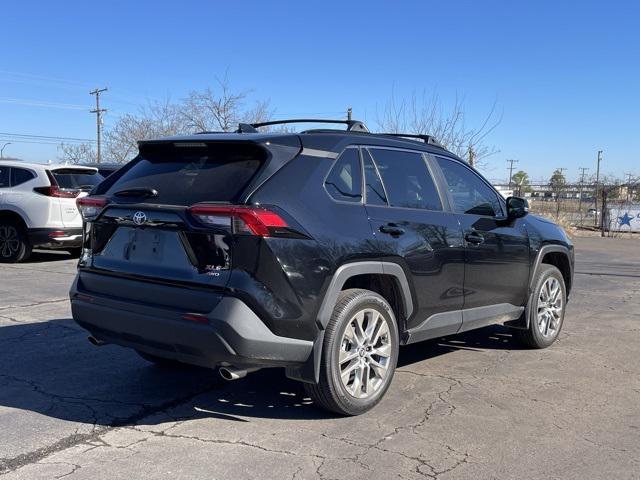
(232, 373)
(95, 342)
(226, 374)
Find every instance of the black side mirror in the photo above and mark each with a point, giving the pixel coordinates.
(517, 207)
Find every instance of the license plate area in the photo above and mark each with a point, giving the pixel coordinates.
(145, 246)
(158, 253)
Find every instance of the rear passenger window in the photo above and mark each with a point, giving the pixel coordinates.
(20, 176)
(406, 178)
(375, 194)
(344, 182)
(471, 195)
(4, 177)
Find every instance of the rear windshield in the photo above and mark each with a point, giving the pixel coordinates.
(192, 174)
(75, 179)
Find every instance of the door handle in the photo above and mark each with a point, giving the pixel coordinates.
(392, 230)
(474, 238)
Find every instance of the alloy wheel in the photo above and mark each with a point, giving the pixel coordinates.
(365, 353)
(550, 305)
(9, 241)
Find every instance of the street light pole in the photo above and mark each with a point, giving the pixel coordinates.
(2, 149)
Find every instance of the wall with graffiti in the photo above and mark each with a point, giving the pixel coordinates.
(624, 218)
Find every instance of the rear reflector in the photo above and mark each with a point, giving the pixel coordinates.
(83, 298)
(192, 317)
(242, 219)
(90, 207)
(57, 233)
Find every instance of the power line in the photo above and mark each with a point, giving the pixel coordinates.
(34, 142)
(46, 137)
(98, 111)
(41, 103)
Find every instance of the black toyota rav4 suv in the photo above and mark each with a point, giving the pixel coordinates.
(321, 252)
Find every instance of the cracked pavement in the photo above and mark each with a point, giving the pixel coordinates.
(474, 405)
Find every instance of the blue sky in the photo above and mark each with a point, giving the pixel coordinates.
(565, 74)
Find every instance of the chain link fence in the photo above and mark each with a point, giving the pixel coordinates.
(612, 209)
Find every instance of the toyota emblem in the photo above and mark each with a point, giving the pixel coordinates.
(139, 218)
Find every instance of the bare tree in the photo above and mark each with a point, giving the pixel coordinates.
(204, 110)
(77, 153)
(221, 110)
(424, 115)
(158, 119)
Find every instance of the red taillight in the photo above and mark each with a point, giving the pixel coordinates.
(242, 219)
(54, 190)
(90, 207)
(58, 233)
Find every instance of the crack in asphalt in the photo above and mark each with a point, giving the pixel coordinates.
(8, 465)
(413, 427)
(36, 304)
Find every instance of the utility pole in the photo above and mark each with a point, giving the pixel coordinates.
(629, 175)
(582, 170)
(598, 186)
(511, 162)
(472, 156)
(98, 111)
(349, 113)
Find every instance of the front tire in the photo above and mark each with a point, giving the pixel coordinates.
(359, 354)
(14, 244)
(546, 308)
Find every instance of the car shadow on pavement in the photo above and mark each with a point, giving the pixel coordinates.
(51, 369)
(45, 256)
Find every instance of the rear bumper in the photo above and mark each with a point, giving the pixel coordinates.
(232, 335)
(55, 237)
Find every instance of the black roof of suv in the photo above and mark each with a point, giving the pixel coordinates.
(321, 252)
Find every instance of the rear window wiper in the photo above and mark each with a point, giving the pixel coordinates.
(137, 192)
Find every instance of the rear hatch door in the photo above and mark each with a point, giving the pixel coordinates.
(78, 181)
(146, 229)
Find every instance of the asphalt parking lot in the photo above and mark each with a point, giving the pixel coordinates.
(470, 406)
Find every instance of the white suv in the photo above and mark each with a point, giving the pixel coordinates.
(38, 207)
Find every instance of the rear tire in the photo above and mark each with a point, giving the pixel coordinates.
(14, 243)
(545, 309)
(359, 354)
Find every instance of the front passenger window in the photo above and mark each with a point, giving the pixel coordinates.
(471, 195)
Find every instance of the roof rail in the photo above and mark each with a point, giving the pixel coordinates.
(428, 139)
(352, 125)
